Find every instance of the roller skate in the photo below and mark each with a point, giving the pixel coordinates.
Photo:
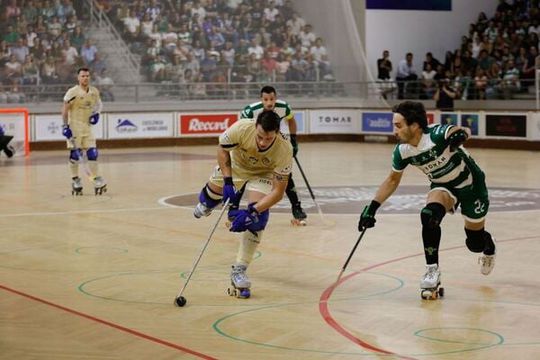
(9, 151)
(201, 210)
(430, 284)
(100, 186)
(240, 283)
(299, 216)
(487, 262)
(76, 186)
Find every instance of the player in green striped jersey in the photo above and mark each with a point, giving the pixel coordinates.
(269, 101)
(456, 180)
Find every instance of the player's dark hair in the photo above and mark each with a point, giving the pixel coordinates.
(269, 121)
(82, 69)
(268, 90)
(413, 112)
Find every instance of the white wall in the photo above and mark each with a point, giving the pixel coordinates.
(420, 31)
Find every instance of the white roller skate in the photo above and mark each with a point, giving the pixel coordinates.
(430, 283)
(76, 186)
(299, 216)
(100, 186)
(201, 210)
(240, 283)
(487, 262)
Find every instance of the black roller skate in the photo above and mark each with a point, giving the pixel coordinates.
(76, 186)
(240, 283)
(100, 186)
(430, 284)
(299, 216)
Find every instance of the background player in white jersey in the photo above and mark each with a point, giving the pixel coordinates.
(456, 180)
(252, 153)
(269, 101)
(81, 110)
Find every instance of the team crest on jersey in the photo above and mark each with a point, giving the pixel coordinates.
(265, 161)
(253, 160)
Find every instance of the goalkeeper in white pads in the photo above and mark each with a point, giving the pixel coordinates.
(81, 109)
(456, 180)
(252, 153)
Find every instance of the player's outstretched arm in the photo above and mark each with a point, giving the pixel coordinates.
(386, 189)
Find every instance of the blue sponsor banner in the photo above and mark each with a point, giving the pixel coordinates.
(300, 123)
(377, 122)
(471, 121)
(435, 5)
(449, 119)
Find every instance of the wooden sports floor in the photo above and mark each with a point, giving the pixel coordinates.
(94, 277)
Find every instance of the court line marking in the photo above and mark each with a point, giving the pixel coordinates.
(327, 293)
(110, 324)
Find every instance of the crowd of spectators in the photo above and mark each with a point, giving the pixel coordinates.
(217, 41)
(42, 42)
(496, 59)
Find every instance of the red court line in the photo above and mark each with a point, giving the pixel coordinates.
(325, 296)
(110, 324)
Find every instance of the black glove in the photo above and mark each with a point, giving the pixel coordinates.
(367, 218)
(457, 139)
(294, 144)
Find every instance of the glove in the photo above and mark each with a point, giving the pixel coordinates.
(294, 144)
(457, 139)
(247, 219)
(229, 191)
(94, 118)
(66, 131)
(367, 219)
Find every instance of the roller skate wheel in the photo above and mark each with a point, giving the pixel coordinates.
(296, 222)
(428, 294)
(244, 293)
(441, 292)
(231, 292)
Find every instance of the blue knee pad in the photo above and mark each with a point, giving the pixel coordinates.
(74, 155)
(432, 215)
(92, 154)
(206, 200)
(476, 241)
(261, 224)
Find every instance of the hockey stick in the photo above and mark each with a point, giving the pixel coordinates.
(179, 300)
(350, 255)
(309, 188)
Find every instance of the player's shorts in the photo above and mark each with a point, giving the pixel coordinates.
(261, 183)
(473, 199)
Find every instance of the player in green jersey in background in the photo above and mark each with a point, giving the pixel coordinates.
(269, 101)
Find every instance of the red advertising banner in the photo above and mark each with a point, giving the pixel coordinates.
(206, 124)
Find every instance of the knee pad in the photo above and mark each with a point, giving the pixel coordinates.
(209, 198)
(261, 224)
(92, 154)
(74, 156)
(432, 215)
(476, 240)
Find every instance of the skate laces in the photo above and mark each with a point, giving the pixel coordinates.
(432, 272)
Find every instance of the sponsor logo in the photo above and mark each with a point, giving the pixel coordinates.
(334, 120)
(380, 122)
(125, 126)
(206, 124)
(410, 199)
(53, 128)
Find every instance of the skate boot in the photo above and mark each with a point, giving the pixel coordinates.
(76, 186)
(240, 283)
(201, 210)
(100, 186)
(299, 216)
(487, 262)
(430, 283)
(9, 151)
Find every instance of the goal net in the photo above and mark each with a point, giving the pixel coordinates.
(15, 122)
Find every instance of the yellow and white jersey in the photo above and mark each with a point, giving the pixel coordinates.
(247, 159)
(81, 105)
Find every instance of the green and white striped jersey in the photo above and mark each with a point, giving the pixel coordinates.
(433, 157)
(282, 108)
